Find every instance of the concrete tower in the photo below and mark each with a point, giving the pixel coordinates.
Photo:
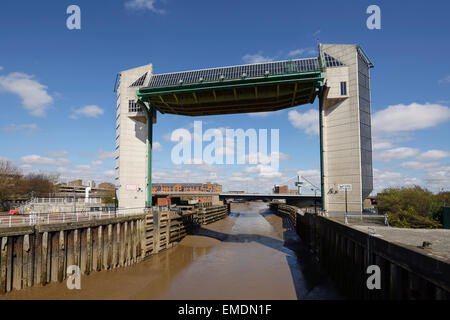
(131, 139)
(346, 127)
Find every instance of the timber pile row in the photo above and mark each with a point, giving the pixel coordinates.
(172, 228)
(289, 211)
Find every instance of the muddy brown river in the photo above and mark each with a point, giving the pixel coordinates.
(252, 254)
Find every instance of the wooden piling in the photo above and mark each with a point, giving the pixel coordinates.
(109, 247)
(99, 241)
(27, 262)
(76, 248)
(61, 251)
(44, 255)
(116, 247)
(3, 258)
(88, 251)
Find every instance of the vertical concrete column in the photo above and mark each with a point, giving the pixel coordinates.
(346, 127)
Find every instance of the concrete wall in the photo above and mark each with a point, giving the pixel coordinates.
(131, 143)
(406, 272)
(347, 145)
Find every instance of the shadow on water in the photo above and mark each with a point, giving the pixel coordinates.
(310, 281)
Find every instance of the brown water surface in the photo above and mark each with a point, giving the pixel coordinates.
(252, 254)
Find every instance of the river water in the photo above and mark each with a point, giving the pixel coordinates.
(252, 254)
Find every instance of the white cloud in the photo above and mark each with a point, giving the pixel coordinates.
(395, 154)
(381, 145)
(302, 51)
(260, 114)
(256, 58)
(91, 111)
(438, 177)
(143, 4)
(109, 173)
(263, 171)
(21, 128)
(261, 158)
(157, 146)
(103, 155)
(445, 80)
(402, 118)
(43, 161)
(385, 179)
(308, 121)
(84, 167)
(57, 153)
(1, 68)
(417, 165)
(431, 155)
(35, 98)
(97, 162)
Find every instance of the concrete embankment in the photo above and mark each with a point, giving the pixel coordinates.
(406, 272)
(37, 255)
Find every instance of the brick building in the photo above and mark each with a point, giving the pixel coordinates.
(184, 187)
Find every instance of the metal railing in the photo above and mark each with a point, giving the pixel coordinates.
(34, 219)
(371, 216)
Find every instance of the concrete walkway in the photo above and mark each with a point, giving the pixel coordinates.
(439, 238)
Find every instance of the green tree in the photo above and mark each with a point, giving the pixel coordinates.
(412, 207)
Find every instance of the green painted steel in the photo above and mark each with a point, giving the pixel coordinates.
(322, 178)
(270, 80)
(149, 155)
(366, 56)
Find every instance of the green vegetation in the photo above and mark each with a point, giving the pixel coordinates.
(412, 207)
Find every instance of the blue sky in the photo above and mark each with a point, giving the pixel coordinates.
(57, 103)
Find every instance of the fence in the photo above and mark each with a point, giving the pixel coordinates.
(62, 217)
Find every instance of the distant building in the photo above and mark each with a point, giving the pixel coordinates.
(79, 191)
(75, 183)
(91, 183)
(280, 189)
(184, 187)
(106, 185)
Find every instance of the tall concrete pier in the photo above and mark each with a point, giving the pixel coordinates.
(346, 127)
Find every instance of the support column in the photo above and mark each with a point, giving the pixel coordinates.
(322, 179)
(149, 111)
(149, 154)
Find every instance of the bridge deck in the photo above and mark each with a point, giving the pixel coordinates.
(239, 89)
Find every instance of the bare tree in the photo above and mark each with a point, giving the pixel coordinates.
(9, 181)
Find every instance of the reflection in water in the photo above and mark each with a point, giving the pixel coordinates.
(252, 254)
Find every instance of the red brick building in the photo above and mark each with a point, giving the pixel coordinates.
(281, 189)
(184, 187)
